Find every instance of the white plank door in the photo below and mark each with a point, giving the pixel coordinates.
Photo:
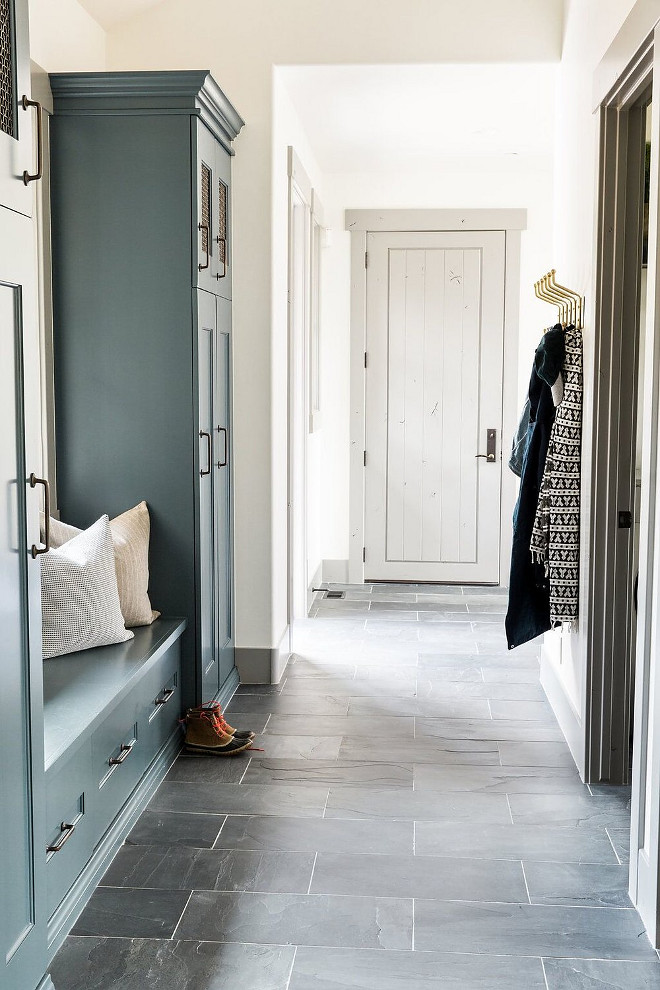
(435, 327)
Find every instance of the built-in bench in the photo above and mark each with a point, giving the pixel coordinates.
(111, 730)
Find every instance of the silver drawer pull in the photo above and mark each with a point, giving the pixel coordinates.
(167, 694)
(125, 749)
(67, 831)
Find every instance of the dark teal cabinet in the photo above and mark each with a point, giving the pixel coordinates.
(141, 199)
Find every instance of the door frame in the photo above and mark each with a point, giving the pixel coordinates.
(361, 223)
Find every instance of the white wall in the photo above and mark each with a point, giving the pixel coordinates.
(64, 38)
(241, 43)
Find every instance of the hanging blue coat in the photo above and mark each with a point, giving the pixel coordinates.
(528, 613)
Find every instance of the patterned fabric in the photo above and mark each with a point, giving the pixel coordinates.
(79, 597)
(556, 534)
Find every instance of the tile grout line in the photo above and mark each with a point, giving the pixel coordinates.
(522, 866)
(246, 770)
(619, 860)
(176, 927)
(545, 975)
(508, 804)
(309, 887)
(293, 962)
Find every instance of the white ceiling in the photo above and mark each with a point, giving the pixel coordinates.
(111, 12)
(380, 118)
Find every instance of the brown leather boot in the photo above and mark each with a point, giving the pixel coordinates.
(214, 709)
(204, 735)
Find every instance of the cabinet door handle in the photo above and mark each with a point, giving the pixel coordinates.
(27, 177)
(223, 242)
(223, 462)
(124, 752)
(203, 433)
(66, 831)
(34, 481)
(205, 226)
(167, 695)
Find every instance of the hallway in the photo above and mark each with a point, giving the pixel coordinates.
(413, 793)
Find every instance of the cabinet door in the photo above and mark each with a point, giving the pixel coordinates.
(205, 472)
(16, 122)
(222, 222)
(222, 494)
(22, 852)
(205, 255)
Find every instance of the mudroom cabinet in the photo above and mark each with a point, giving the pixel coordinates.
(141, 199)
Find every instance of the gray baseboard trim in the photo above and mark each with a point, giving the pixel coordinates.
(46, 983)
(262, 664)
(73, 904)
(335, 572)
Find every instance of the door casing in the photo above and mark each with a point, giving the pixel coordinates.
(360, 223)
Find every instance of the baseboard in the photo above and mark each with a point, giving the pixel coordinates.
(314, 583)
(73, 904)
(564, 712)
(261, 664)
(46, 983)
(335, 572)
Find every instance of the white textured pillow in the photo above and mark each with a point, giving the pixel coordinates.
(130, 534)
(79, 598)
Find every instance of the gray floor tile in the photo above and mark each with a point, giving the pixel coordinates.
(368, 969)
(530, 930)
(574, 884)
(435, 707)
(258, 689)
(387, 727)
(532, 711)
(178, 868)
(299, 919)
(497, 780)
(208, 769)
(131, 913)
(447, 752)
(572, 810)
(511, 675)
(531, 842)
(289, 704)
(599, 974)
(304, 687)
(157, 964)
(500, 729)
(298, 747)
(241, 799)
(441, 688)
(353, 773)
(620, 838)
(427, 678)
(535, 754)
(319, 835)
(431, 659)
(172, 829)
(420, 876)
(376, 803)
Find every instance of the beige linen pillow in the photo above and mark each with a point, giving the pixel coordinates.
(130, 536)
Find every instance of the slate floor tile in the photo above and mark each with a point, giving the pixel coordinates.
(531, 842)
(289, 704)
(530, 930)
(435, 707)
(367, 969)
(301, 747)
(532, 711)
(318, 835)
(176, 829)
(497, 780)
(419, 876)
(575, 884)
(241, 799)
(180, 868)
(620, 839)
(571, 810)
(208, 769)
(447, 752)
(129, 912)
(389, 727)
(535, 754)
(348, 773)
(505, 730)
(299, 919)
(156, 964)
(392, 804)
(600, 974)
(511, 675)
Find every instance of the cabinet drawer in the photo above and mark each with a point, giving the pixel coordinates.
(70, 835)
(162, 705)
(118, 759)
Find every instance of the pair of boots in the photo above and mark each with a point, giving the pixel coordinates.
(208, 733)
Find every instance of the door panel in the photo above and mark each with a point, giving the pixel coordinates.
(16, 124)
(435, 313)
(222, 493)
(222, 222)
(205, 352)
(205, 256)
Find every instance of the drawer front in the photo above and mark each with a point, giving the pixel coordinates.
(162, 706)
(118, 759)
(70, 833)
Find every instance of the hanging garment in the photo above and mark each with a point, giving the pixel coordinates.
(528, 612)
(555, 541)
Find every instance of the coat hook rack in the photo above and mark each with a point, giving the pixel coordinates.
(570, 304)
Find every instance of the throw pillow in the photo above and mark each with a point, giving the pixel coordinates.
(79, 598)
(130, 534)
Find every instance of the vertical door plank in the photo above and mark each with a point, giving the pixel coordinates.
(473, 438)
(395, 422)
(414, 401)
(434, 360)
(451, 405)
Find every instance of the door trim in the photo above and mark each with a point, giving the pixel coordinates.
(360, 223)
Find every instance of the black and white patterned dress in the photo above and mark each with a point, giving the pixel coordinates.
(556, 535)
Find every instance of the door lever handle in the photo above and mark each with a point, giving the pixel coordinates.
(491, 447)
